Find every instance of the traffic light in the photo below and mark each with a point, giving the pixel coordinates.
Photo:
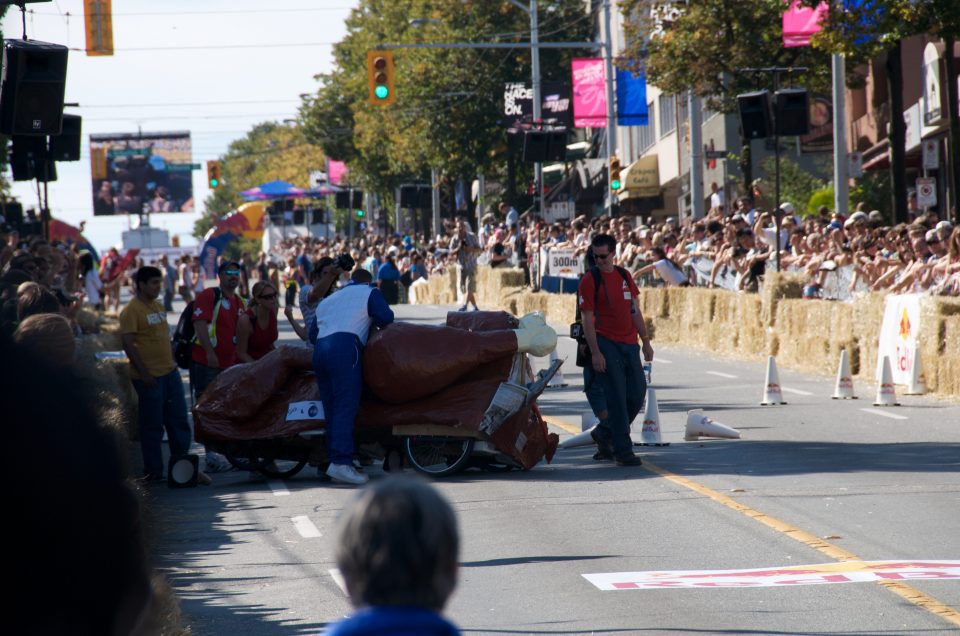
(614, 171)
(359, 214)
(214, 174)
(380, 77)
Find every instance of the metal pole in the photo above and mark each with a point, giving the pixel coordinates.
(537, 97)
(434, 202)
(776, 190)
(481, 183)
(696, 156)
(611, 130)
(841, 177)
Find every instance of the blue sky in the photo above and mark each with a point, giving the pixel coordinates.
(214, 67)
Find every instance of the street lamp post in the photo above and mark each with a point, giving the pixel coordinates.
(535, 80)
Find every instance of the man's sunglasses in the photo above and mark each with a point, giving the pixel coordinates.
(272, 296)
(232, 272)
(596, 255)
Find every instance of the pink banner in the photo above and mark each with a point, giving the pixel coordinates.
(800, 22)
(589, 93)
(336, 171)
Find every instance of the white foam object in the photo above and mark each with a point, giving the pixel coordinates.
(578, 440)
(588, 420)
(771, 387)
(699, 425)
(918, 381)
(650, 431)
(886, 394)
(844, 386)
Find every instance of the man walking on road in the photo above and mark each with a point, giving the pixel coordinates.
(146, 341)
(466, 247)
(343, 326)
(215, 315)
(169, 282)
(612, 321)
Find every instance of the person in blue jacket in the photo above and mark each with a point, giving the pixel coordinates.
(343, 326)
(398, 551)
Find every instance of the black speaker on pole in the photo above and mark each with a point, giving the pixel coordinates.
(66, 145)
(755, 114)
(31, 94)
(557, 145)
(535, 146)
(792, 116)
(410, 196)
(26, 154)
(425, 197)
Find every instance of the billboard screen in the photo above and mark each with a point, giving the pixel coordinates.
(137, 173)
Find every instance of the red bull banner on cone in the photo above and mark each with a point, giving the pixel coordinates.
(247, 222)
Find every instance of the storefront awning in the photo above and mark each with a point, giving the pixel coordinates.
(641, 178)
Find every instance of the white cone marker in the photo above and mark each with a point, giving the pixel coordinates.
(844, 388)
(557, 381)
(578, 440)
(699, 425)
(918, 381)
(886, 395)
(650, 430)
(771, 390)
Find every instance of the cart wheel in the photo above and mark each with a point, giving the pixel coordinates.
(437, 456)
(252, 464)
(282, 468)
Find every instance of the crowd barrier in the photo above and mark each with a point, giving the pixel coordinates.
(805, 334)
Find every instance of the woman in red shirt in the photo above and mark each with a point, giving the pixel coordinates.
(257, 327)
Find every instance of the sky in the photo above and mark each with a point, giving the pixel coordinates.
(213, 67)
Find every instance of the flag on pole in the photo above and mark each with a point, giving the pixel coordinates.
(631, 99)
(800, 23)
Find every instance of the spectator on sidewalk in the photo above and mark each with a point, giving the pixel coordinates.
(257, 327)
(465, 247)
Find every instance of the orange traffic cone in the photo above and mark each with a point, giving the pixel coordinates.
(844, 388)
(771, 390)
(886, 395)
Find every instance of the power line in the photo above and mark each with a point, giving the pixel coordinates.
(165, 104)
(218, 13)
(207, 47)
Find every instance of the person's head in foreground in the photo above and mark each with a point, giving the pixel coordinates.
(397, 550)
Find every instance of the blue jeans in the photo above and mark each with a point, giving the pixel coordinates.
(624, 387)
(594, 391)
(162, 406)
(338, 365)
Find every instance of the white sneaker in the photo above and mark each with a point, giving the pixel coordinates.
(346, 474)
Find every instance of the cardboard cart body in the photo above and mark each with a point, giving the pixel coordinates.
(444, 397)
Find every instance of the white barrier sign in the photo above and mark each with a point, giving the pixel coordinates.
(898, 336)
(564, 263)
(309, 410)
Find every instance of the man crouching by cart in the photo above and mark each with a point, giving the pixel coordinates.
(343, 326)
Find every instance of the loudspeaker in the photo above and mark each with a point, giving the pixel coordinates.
(13, 212)
(557, 145)
(535, 146)
(344, 200)
(66, 145)
(755, 114)
(26, 154)
(415, 196)
(425, 198)
(792, 115)
(31, 95)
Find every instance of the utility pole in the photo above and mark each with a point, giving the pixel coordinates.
(696, 156)
(841, 177)
(611, 131)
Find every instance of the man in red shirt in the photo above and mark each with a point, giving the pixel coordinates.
(216, 312)
(612, 321)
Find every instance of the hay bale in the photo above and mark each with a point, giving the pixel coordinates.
(778, 286)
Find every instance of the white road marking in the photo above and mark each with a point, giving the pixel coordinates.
(338, 579)
(795, 391)
(892, 416)
(278, 488)
(305, 527)
(662, 361)
(722, 375)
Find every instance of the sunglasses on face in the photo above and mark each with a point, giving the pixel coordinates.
(232, 272)
(598, 255)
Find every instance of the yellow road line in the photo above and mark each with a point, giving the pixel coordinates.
(837, 553)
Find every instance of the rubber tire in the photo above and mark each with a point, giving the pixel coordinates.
(458, 463)
(245, 463)
(282, 474)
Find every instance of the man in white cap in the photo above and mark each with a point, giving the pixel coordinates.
(937, 247)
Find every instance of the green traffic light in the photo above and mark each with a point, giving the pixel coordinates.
(615, 184)
(214, 183)
(359, 213)
(382, 92)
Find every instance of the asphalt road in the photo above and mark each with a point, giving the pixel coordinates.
(814, 482)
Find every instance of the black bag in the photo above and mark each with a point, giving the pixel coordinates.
(184, 335)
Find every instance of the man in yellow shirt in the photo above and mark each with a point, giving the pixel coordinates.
(146, 340)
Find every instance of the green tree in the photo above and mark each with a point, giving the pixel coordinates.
(449, 101)
(270, 151)
(796, 184)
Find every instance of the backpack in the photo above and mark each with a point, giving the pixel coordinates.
(583, 349)
(185, 335)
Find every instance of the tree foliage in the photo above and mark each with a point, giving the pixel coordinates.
(449, 101)
(270, 151)
(706, 47)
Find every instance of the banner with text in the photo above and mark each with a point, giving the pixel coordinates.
(899, 333)
(563, 262)
(589, 93)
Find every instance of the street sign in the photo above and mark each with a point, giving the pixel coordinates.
(926, 192)
(317, 177)
(855, 165)
(931, 155)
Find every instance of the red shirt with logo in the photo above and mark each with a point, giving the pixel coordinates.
(613, 315)
(225, 338)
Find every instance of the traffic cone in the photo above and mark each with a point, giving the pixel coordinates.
(771, 390)
(918, 381)
(844, 388)
(650, 431)
(588, 421)
(557, 381)
(886, 395)
(699, 425)
(578, 440)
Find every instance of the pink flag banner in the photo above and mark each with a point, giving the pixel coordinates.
(589, 93)
(800, 23)
(336, 171)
